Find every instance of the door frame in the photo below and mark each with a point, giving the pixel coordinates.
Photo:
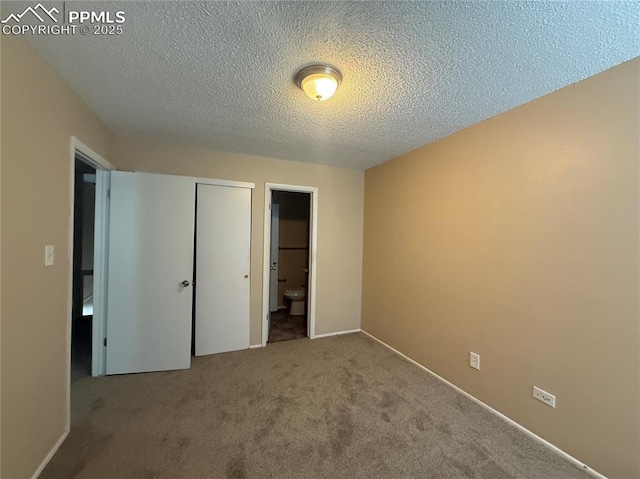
(273, 291)
(103, 167)
(313, 242)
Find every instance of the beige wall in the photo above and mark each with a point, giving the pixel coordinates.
(518, 239)
(40, 113)
(340, 218)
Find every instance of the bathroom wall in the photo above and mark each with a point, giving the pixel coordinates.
(293, 250)
(517, 239)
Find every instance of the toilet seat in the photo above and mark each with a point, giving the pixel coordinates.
(296, 294)
(297, 297)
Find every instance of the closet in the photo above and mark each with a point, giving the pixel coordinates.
(179, 250)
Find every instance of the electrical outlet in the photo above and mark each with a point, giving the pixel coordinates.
(545, 397)
(474, 360)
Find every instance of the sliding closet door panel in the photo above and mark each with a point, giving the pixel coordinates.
(149, 309)
(223, 235)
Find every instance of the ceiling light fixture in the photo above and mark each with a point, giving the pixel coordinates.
(319, 82)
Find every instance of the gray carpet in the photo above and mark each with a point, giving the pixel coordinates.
(340, 407)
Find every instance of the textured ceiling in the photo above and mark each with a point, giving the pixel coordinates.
(220, 74)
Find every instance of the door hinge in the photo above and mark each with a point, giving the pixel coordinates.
(105, 342)
(108, 194)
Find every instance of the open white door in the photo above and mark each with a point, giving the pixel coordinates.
(149, 303)
(223, 244)
(275, 242)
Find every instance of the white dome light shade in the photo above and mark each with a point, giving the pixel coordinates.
(319, 82)
(319, 86)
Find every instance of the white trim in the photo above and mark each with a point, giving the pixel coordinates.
(338, 333)
(69, 321)
(100, 273)
(313, 246)
(97, 161)
(255, 346)
(508, 420)
(216, 182)
(52, 452)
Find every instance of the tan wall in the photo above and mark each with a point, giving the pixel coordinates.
(293, 254)
(40, 113)
(518, 239)
(340, 218)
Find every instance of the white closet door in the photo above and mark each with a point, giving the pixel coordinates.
(149, 309)
(223, 235)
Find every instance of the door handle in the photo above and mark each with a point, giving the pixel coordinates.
(185, 283)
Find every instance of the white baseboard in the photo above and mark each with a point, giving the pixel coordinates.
(338, 333)
(255, 346)
(52, 452)
(532, 435)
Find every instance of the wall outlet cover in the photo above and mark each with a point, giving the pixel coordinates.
(545, 397)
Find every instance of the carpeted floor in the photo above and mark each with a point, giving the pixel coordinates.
(339, 407)
(285, 327)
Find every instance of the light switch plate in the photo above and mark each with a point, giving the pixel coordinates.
(48, 255)
(474, 360)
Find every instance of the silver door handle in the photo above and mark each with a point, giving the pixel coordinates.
(185, 283)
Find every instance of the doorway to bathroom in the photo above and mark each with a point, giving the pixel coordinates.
(290, 239)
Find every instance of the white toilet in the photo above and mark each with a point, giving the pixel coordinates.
(297, 301)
